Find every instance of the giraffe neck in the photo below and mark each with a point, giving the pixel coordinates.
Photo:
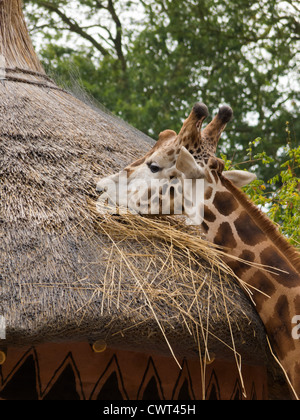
(233, 222)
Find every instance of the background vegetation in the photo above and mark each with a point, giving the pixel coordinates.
(149, 61)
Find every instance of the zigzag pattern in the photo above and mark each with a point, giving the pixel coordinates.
(23, 382)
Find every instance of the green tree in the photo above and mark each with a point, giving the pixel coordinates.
(150, 67)
(282, 203)
(278, 196)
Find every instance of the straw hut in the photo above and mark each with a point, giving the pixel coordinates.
(93, 309)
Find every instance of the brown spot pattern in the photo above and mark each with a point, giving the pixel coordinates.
(225, 203)
(297, 305)
(215, 175)
(209, 215)
(208, 193)
(225, 236)
(239, 267)
(204, 227)
(171, 152)
(247, 230)
(279, 328)
(264, 285)
(287, 276)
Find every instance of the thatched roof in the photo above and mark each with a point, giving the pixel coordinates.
(62, 277)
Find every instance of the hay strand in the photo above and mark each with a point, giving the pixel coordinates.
(184, 253)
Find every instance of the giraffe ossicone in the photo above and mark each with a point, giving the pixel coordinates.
(184, 166)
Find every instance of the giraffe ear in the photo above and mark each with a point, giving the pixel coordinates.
(239, 178)
(187, 165)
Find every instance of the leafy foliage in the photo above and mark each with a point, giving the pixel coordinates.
(149, 61)
(279, 196)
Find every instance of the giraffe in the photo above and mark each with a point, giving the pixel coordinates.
(258, 254)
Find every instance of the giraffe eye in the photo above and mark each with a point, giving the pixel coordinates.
(154, 168)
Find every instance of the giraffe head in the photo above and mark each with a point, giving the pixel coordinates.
(174, 175)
